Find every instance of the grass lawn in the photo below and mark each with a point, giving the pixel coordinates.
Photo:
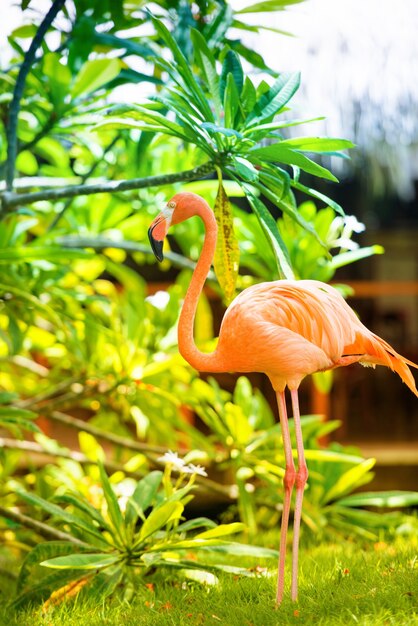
(340, 584)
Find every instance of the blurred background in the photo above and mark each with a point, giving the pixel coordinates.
(358, 66)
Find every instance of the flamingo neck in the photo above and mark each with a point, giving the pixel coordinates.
(199, 360)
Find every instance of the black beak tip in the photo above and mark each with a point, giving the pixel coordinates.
(156, 246)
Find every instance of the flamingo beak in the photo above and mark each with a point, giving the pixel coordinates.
(156, 233)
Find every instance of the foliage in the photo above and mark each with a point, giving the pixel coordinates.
(82, 337)
(226, 117)
(140, 533)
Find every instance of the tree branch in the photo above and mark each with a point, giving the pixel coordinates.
(19, 88)
(124, 442)
(100, 243)
(85, 177)
(42, 529)
(73, 455)
(10, 199)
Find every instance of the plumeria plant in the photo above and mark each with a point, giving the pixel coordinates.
(123, 540)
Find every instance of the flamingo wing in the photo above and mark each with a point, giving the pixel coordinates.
(289, 329)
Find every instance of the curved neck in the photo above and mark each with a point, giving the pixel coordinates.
(187, 347)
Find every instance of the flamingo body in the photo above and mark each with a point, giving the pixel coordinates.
(286, 329)
(289, 329)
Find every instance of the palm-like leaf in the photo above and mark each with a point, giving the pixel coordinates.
(224, 115)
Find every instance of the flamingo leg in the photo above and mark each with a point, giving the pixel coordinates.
(300, 482)
(288, 482)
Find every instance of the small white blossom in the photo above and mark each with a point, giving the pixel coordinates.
(352, 224)
(174, 460)
(159, 300)
(341, 230)
(345, 244)
(191, 468)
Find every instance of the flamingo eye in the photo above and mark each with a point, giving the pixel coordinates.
(171, 205)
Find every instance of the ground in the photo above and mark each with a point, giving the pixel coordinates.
(372, 584)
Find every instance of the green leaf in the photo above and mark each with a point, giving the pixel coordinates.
(9, 396)
(113, 509)
(46, 586)
(196, 522)
(25, 31)
(183, 68)
(221, 531)
(143, 496)
(248, 96)
(274, 188)
(12, 411)
(42, 552)
(278, 152)
(207, 63)
(94, 74)
(12, 422)
(231, 65)
(226, 260)
(130, 46)
(225, 547)
(271, 126)
(214, 128)
(382, 499)
(25, 254)
(269, 226)
(153, 119)
(215, 31)
(351, 479)
(276, 97)
(27, 163)
(317, 144)
(34, 302)
(82, 561)
(59, 78)
(106, 581)
(63, 515)
(231, 101)
(344, 258)
(79, 502)
(245, 169)
(159, 517)
(319, 196)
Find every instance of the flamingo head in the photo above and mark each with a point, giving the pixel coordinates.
(179, 208)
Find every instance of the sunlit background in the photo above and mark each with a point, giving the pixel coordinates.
(358, 64)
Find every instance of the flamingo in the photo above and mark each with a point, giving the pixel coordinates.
(286, 329)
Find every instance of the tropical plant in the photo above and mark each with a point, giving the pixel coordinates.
(109, 544)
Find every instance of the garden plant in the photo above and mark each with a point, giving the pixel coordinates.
(127, 481)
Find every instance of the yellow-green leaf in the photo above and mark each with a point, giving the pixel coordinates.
(349, 480)
(226, 262)
(221, 531)
(95, 74)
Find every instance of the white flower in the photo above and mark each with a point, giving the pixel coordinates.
(345, 244)
(159, 299)
(174, 460)
(341, 230)
(352, 224)
(191, 468)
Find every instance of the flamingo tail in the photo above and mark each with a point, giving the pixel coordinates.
(376, 351)
(382, 353)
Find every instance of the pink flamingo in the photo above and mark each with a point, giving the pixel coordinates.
(286, 329)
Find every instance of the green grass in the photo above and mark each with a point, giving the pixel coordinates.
(340, 584)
